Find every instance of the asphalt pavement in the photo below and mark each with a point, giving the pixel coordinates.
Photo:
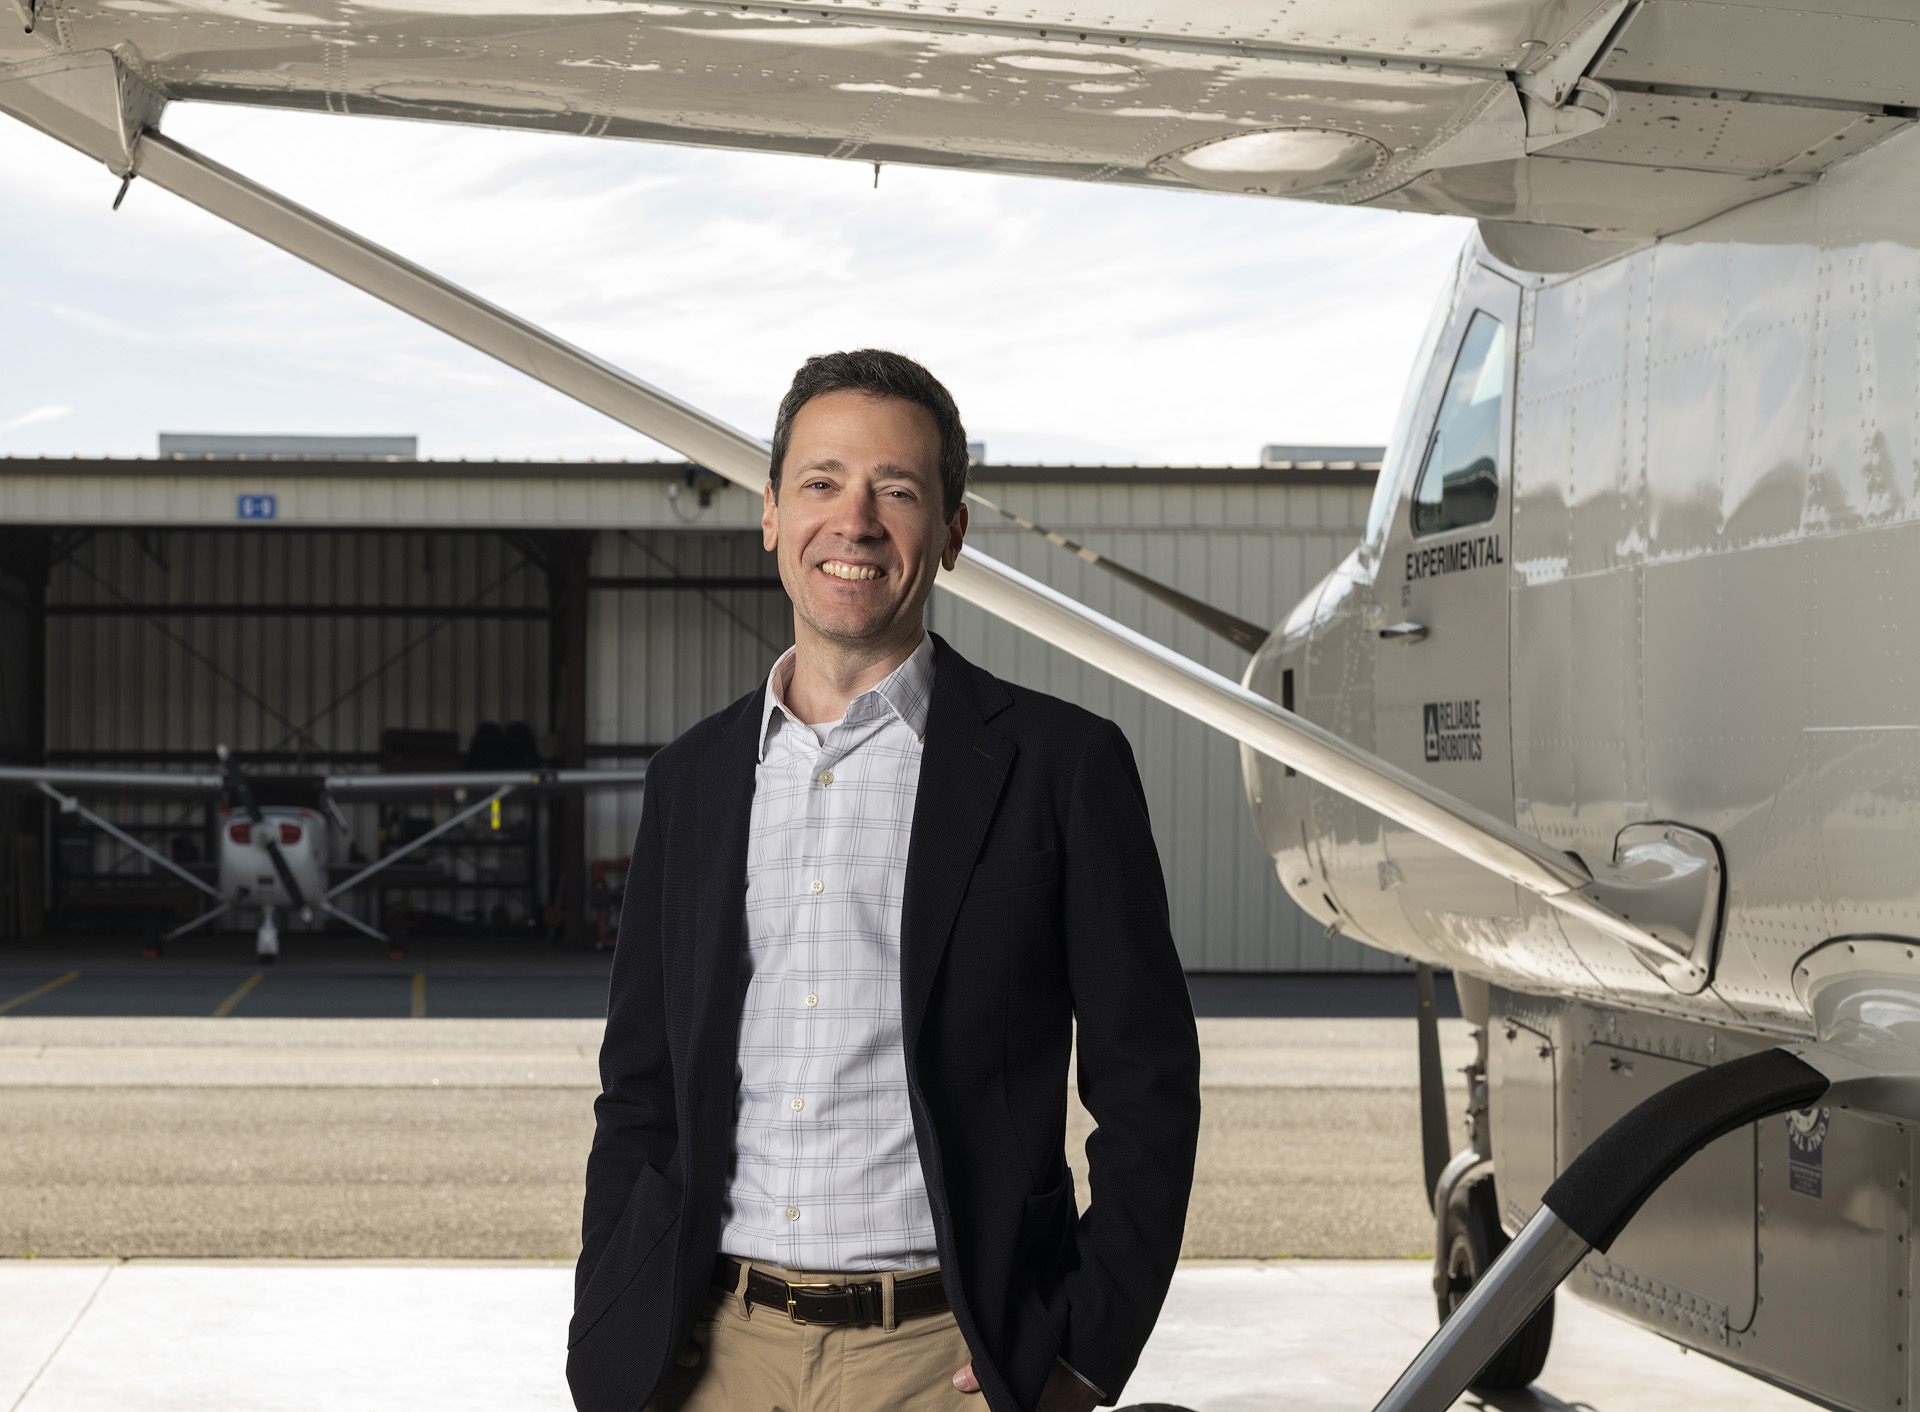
(458, 1138)
(325, 976)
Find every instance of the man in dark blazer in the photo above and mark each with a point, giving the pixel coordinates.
(995, 867)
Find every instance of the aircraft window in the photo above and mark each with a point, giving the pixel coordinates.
(1460, 478)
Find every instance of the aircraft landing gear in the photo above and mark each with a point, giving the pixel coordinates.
(1586, 1209)
(266, 941)
(1472, 1241)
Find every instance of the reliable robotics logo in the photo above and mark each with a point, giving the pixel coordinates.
(1450, 730)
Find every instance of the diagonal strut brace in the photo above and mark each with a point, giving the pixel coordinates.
(69, 805)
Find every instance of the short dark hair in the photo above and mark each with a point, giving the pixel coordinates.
(878, 373)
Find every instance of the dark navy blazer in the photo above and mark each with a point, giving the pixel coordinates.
(1033, 899)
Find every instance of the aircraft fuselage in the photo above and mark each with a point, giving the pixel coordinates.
(1645, 549)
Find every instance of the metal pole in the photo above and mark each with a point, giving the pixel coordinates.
(69, 805)
(1518, 1283)
(1434, 1143)
(382, 864)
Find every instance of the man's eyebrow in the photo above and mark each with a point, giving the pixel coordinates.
(830, 464)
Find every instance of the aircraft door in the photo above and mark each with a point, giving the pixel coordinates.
(1440, 614)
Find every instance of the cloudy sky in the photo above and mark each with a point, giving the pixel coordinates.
(1073, 322)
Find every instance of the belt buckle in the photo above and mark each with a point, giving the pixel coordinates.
(794, 1314)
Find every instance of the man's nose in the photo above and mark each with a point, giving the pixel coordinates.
(857, 516)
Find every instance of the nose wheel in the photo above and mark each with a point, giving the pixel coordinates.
(266, 941)
(1474, 1242)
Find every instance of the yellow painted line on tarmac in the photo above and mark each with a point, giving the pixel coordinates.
(225, 1007)
(419, 995)
(6, 1005)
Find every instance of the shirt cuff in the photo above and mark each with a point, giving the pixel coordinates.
(1097, 1389)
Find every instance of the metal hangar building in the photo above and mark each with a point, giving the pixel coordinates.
(339, 606)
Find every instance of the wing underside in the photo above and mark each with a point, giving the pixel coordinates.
(1626, 118)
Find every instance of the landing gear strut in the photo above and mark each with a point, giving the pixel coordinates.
(266, 941)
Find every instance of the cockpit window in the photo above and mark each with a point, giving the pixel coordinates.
(1460, 478)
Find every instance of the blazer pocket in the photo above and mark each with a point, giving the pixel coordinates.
(1047, 1225)
(1006, 874)
(653, 1211)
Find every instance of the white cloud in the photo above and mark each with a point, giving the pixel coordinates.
(1174, 326)
(50, 412)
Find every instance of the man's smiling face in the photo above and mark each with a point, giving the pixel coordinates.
(859, 526)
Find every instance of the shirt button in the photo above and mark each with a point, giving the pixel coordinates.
(826, 777)
(817, 886)
(798, 1104)
(793, 1213)
(812, 1000)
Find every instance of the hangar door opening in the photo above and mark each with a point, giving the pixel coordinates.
(315, 652)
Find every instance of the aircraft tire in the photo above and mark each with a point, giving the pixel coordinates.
(1475, 1242)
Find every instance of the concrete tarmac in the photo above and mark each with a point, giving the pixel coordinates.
(467, 1138)
(216, 1336)
(426, 1174)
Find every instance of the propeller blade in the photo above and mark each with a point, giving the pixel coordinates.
(285, 872)
(1247, 636)
(237, 781)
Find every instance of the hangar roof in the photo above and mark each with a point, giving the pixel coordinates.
(333, 492)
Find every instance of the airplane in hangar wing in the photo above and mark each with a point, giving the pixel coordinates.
(1611, 711)
(279, 857)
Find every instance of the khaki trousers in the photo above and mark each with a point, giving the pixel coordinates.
(758, 1360)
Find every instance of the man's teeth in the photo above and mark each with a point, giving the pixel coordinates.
(856, 572)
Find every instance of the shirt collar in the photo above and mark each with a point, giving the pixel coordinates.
(907, 693)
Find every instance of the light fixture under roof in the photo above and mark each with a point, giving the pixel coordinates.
(1289, 161)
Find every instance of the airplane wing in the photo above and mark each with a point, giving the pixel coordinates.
(156, 781)
(1625, 118)
(546, 781)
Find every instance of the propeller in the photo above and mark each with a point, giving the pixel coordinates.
(267, 839)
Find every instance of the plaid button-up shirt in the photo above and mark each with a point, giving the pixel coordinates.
(826, 1175)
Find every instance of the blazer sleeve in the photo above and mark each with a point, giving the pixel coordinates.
(634, 1118)
(1139, 1066)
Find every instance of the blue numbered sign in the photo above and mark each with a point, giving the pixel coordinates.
(258, 507)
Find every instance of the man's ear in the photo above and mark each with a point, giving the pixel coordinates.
(769, 526)
(956, 535)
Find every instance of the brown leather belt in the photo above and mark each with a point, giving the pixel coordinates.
(858, 1304)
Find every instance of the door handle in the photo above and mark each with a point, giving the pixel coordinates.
(1404, 632)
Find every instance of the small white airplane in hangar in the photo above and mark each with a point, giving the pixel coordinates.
(1612, 712)
(275, 858)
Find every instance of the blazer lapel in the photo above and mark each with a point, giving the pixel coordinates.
(963, 768)
(722, 818)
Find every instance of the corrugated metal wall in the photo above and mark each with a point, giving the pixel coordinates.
(281, 683)
(659, 662)
(1253, 551)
